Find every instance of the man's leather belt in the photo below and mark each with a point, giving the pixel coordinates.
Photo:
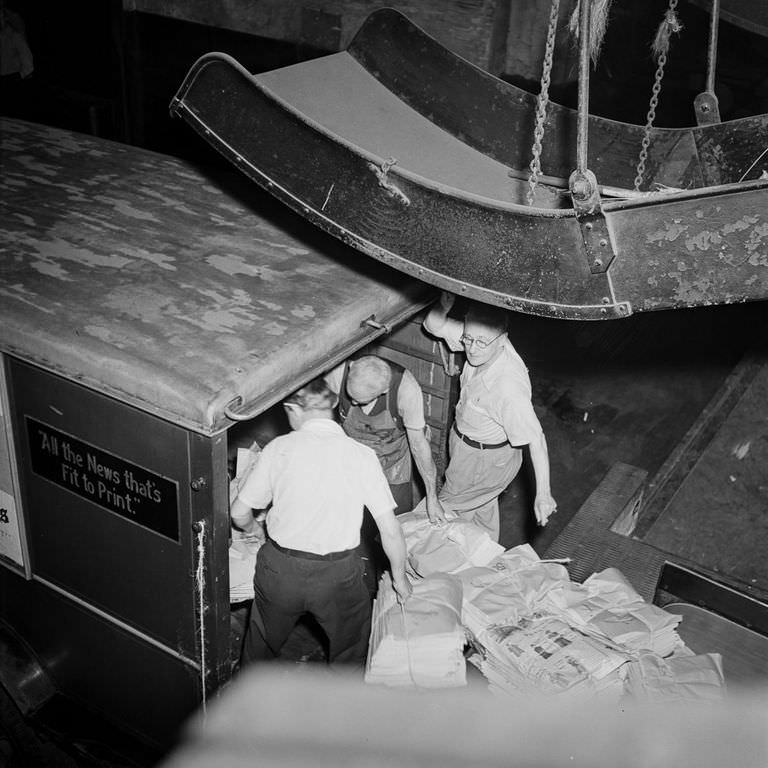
(311, 555)
(474, 443)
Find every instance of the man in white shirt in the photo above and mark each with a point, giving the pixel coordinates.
(318, 481)
(494, 418)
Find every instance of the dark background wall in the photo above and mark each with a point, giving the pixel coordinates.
(110, 72)
(620, 84)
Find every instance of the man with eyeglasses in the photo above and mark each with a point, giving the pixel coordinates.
(494, 418)
(316, 481)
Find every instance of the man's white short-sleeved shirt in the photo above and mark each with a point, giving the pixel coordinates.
(318, 481)
(494, 403)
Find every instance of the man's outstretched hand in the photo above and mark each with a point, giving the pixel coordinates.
(402, 587)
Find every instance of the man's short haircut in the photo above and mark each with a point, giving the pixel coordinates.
(489, 316)
(368, 377)
(314, 396)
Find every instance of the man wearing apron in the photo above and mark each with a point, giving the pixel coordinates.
(381, 405)
(494, 418)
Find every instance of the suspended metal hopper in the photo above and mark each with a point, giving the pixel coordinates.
(417, 158)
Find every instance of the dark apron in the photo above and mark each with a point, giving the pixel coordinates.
(383, 431)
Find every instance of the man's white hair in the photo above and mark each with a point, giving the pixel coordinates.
(368, 378)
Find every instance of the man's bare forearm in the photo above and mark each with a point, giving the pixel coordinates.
(422, 456)
(540, 461)
(242, 515)
(393, 544)
(544, 504)
(435, 320)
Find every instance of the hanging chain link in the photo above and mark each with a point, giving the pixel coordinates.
(654, 102)
(543, 100)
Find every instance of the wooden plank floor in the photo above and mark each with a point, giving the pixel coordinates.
(744, 652)
(625, 391)
(719, 514)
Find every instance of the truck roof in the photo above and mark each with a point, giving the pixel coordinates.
(144, 277)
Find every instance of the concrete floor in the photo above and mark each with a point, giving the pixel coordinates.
(625, 391)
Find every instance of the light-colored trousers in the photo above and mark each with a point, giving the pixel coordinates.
(474, 479)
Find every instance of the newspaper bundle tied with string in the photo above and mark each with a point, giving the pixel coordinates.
(243, 547)
(420, 643)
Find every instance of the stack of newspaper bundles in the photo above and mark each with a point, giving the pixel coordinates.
(242, 563)
(243, 547)
(538, 633)
(607, 606)
(543, 655)
(418, 644)
(526, 647)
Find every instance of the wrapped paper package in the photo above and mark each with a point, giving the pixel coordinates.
(679, 678)
(243, 547)
(419, 644)
(607, 606)
(513, 585)
(447, 548)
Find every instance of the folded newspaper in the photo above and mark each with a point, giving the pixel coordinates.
(547, 656)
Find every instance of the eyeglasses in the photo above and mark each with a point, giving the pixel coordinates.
(468, 341)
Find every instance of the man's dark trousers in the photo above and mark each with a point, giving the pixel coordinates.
(289, 584)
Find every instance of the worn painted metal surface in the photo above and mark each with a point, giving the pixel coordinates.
(497, 118)
(332, 140)
(142, 277)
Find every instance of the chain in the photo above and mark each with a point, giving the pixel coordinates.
(655, 91)
(654, 102)
(543, 99)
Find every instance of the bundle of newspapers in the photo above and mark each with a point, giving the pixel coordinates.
(513, 585)
(524, 646)
(543, 655)
(243, 547)
(606, 606)
(533, 631)
(537, 632)
(447, 548)
(421, 642)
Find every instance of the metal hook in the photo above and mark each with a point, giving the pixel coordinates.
(372, 322)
